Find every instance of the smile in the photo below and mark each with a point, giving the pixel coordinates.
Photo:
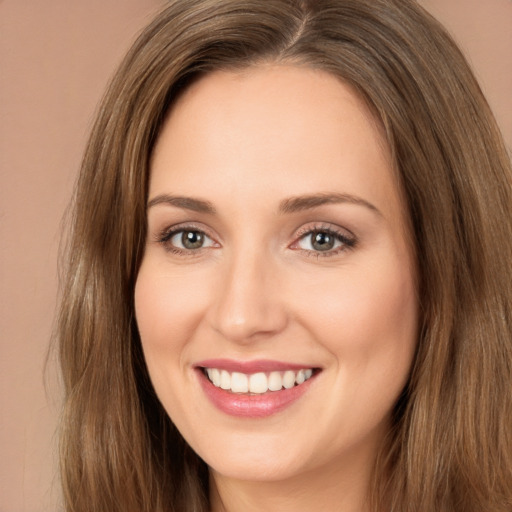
(257, 383)
(254, 389)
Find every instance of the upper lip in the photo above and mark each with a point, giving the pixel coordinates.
(249, 367)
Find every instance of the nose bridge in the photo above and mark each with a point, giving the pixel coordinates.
(248, 302)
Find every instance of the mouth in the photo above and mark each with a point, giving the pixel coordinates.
(257, 383)
(254, 389)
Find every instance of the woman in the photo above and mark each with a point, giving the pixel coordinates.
(289, 271)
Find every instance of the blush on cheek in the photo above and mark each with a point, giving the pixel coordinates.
(368, 313)
(164, 310)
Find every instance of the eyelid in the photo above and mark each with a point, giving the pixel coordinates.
(324, 226)
(180, 226)
(164, 236)
(346, 237)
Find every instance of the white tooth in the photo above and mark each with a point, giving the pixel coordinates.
(301, 377)
(209, 373)
(258, 383)
(215, 376)
(289, 379)
(239, 383)
(308, 373)
(225, 380)
(275, 381)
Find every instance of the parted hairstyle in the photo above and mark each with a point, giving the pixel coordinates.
(450, 446)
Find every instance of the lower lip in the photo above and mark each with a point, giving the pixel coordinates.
(252, 406)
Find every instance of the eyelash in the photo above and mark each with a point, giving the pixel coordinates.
(167, 234)
(347, 243)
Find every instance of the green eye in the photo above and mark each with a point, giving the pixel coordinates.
(325, 241)
(192, 239)
(322, 241)
(188, 240)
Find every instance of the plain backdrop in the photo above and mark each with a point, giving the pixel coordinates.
(55, 59)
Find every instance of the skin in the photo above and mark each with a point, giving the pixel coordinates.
(245, 142)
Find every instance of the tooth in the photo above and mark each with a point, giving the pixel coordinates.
(289, 379)
(258, 383)
(214, 375)
(275, 381)
(225, 380)
(239, 383)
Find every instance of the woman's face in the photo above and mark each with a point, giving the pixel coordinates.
(277, 263)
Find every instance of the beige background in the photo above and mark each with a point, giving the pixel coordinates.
(55, 59)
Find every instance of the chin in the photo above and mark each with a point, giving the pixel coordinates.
(242, 457)
(257, 470)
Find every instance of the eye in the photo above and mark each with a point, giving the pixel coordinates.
(186, 240)
(326, 241)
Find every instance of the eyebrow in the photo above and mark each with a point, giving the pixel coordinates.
(187, 203)
(308, 202)
(290, 205)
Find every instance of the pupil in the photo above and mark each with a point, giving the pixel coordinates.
(192, 239)
(322, 241)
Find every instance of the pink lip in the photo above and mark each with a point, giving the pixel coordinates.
(247, 405)
(259, 365)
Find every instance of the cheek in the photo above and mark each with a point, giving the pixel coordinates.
(168, 308)
(367, 321)
(365, 317)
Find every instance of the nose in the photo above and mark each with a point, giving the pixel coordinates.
(249, 304)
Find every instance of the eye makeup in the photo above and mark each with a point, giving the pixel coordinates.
(325, 240)
(318, 240)
(185, 239)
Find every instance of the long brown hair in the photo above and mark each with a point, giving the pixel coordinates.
(450, 448)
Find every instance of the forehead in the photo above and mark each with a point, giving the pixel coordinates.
(284, 129)
(255, 95)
